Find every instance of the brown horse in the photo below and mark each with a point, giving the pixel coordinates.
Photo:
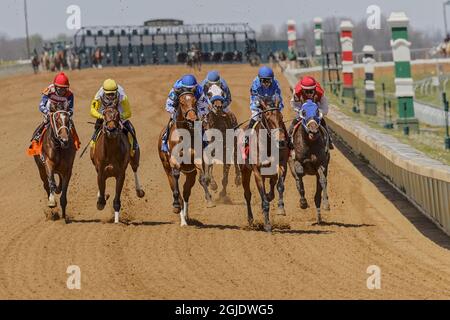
(272, 122)
(220, 120)
(187, 115)
(111, 156)
(311, 156)
(58, 154)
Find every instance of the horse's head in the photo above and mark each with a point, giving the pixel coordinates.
(187, 107)
(216, 97)
(61, 125)
(311, 117)
(111, 123)
(272, 119)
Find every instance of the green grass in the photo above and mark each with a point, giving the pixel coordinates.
(430, 140)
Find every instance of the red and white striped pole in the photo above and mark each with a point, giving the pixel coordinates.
(292, 35)
(347, 58)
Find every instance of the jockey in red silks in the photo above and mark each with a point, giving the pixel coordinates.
(57, 93)
(309, 89)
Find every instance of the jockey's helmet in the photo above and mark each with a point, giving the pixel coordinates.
(111, 92)
(213, 77)
(265, 75)
(61, 83)
(188, 81)
(308, 85)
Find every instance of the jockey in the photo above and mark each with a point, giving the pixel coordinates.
(111, 94)
(309, 89)
(187, 83)
(55, 94)
(265, 87)
(213, 77)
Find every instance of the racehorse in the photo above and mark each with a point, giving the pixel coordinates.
(111, 156)
(35, 62)
(312, 156)
(57, 156)
(45, 60)
(59, 60)
(272, 122)
(186, 116)
(97, 58)
(194, 59)
(220, 120)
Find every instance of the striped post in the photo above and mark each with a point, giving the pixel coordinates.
(370, 103)
(318, 37)
(291, 35)
(398, 21)
(347, 58)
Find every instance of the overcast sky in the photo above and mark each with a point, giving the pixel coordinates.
(48, 17)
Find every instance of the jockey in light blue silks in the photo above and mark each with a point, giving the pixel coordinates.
(265, 87)
(187, 83)
(212, 78)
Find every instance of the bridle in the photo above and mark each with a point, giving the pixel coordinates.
(116, 121)
(186, 113)
(53, 123)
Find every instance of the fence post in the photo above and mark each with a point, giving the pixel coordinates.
(347, 58)
(370, 103)
(318, 38)
(398, 21)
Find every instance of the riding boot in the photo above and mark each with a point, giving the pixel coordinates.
(37, 133)
(165, 138)
(330, 142)
(291, 132)
(129, 128)
(97, 128)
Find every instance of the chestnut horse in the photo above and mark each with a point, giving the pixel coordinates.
(220, 120)
(58, 154)
(312, 156)
(272, 122)
(111, 156)
(186, 116)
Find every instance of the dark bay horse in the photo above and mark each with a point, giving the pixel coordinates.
(312, 156)
(111, 156)
(220, 120)
(272, 122)
(58, 154)
(183, 130)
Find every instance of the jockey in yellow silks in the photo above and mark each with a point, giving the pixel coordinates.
(111, 94)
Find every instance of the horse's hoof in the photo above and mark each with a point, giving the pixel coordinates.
(303, 204)
(213, 186)
(140, 193)
(183, 224)
(281, 211)
(101, 205)
(268, 227)
(67, 220)
(176, 210)
(326, 206)
(210, 204)
(51, 203)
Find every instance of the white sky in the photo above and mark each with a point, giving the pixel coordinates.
(48, 17)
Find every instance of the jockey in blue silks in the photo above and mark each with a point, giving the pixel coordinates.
(212, 78)
(187, 83)
(264, 87)
(310, 111)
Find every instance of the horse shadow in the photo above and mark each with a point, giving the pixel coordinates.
(344, 225)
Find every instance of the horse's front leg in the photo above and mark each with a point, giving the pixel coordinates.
(324, 182)
(64, 187)
(210, 177)
(187, 187)
(51, 185)
(318, 198)
(176, 190)
(116, 203)
(280, 188)
(299, 174)
(226, 171)
(246, 175)
(101, 182)
(202, 181)
(265, 204)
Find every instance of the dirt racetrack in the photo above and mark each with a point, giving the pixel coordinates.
(151, 257)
